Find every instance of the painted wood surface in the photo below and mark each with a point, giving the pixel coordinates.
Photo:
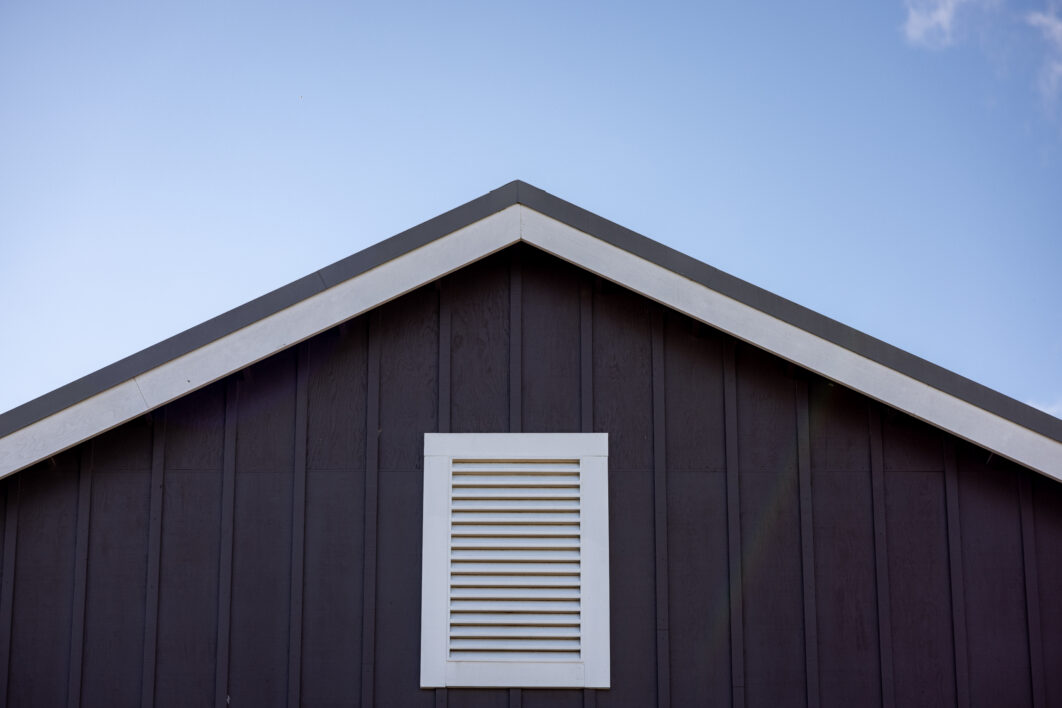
(776, 539)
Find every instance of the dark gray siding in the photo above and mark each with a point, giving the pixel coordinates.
(776, 540)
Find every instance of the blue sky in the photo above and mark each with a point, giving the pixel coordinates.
(894, 165)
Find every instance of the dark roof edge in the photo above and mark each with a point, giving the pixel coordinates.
(259, 308)
(518, 192)
(797, 315)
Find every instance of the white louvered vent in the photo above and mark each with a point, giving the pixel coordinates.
(514, 560)
(514, 589)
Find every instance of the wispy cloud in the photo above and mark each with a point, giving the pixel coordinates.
(1050, 26)
(937, 24)
(931, 23)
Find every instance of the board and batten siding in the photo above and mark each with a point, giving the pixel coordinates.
(775, 540)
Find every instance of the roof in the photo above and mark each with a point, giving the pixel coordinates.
(519, 212)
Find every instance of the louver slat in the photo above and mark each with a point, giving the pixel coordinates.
(539, 543)
(515, 560)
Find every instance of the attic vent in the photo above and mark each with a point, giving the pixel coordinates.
(514, 560)
(515, 583)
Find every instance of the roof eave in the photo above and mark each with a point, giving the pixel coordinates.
(520, 212)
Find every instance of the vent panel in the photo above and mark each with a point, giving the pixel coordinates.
(515, 561)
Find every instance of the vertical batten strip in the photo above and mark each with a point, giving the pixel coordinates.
(298, 528)
(589, 698)
(151, 602)
(228, 500)
(958, 601)
(663, 639)
(77, 623)
(445, 368)
(516, 347)
(733, 520)
(586, 392)
(372, 462)
(881, 557)
(807, 543)
(1032, 592)
(7, 589)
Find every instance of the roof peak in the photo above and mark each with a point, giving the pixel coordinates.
(518, 211)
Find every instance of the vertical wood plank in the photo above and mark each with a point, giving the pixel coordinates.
(958, 599)
(993, 581)
(445, 335)
(7, 590)
(807, 543)
(550, 324)
(586, 355)
(372, 459)
(298, 527)
(1032, 591)
(117, 570)
(77, 624)
(481, 356)
(151, 602)
(881, 557)
(405, 347)
(846, 620)
(1047, 505)
(586, 391)
(663, 640)
(516, 345)
(44, 574)
(337, 361)
(444, 358)
(698, 596)
(262, 533)
(772, 577)
(228, 499)
(623, 406)
(191, 550)
(733, 520)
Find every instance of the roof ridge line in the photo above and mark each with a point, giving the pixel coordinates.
(518, 192)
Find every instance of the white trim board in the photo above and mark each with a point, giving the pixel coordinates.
(807, 350)
(453, 251)
(257, 341)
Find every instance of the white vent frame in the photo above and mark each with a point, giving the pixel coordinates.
(591, 667)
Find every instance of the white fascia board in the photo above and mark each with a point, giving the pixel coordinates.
(389, 280)
(70, 426)
(884, 384)
(257, 341)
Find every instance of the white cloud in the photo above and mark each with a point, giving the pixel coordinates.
(1050, 25)
(930, 23)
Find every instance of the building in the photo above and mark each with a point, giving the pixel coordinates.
(798, 514)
